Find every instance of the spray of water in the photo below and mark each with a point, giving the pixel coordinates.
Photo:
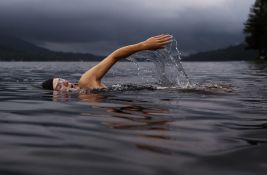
(169, 70)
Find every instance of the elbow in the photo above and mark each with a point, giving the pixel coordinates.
(114, 56)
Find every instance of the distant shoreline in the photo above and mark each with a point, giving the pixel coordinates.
(127, 61)
(17, 50)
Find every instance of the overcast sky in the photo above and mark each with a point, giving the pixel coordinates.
(99, 26)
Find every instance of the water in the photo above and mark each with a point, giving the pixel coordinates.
(168, 70)
(136, 127)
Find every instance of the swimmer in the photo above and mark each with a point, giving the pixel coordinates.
(91, 79)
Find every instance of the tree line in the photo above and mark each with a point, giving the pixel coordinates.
(256, 29)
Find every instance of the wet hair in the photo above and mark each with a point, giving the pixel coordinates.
(48, 84)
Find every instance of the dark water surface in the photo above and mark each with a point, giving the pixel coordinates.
(136, 127)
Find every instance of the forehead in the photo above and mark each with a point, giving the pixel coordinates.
(58, 80)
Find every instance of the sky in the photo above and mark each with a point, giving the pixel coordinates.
(100, 26)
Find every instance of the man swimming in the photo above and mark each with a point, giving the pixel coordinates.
(91, 79)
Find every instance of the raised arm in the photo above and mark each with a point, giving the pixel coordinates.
(92, 77)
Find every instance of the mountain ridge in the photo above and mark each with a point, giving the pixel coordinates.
(230, 53)
(16, 49)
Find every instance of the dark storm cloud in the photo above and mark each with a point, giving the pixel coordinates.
(102, 25)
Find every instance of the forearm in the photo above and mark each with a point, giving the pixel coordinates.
(96, 73)
(126, 51)
(152, 43)
(102, 68)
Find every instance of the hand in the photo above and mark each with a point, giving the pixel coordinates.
(156, 42)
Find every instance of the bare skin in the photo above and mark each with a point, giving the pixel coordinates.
(91, 79)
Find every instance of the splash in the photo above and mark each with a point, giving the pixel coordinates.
(168, 71)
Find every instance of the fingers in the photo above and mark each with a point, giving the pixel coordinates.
(158, 42)
(158, 36)
(165, 39)
(162, 36)
(166, 42)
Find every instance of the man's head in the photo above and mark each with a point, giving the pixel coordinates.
(58, 84)
(48, 84)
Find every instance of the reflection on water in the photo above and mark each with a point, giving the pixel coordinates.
(137, 126)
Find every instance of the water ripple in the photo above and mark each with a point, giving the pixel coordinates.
(137, 126)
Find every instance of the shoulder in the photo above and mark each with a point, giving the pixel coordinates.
(90, 84)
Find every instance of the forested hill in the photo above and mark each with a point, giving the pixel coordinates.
(231, 53)
(14, 49)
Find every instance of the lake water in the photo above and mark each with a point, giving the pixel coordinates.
(136, 127)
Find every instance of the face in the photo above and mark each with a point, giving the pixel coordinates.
(60, 84)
